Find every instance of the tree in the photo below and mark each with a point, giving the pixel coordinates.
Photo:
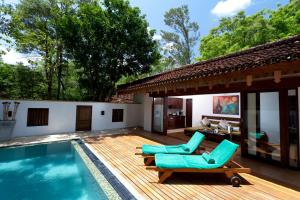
(107, 40)
(178, 45)
(33, 25)
(21, 82)
(242, 32)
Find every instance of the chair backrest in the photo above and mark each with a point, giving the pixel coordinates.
(195, 141)
(223, 152)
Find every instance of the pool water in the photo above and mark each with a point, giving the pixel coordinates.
(46, 171)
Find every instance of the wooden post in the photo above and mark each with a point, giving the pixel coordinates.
(249, 79)
(227, 84)
(210, 85)
(277, 76)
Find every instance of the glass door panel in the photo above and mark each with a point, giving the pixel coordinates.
(251, 122)
(263, 125)
(158, 113)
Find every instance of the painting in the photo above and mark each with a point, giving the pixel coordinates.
(228, 105)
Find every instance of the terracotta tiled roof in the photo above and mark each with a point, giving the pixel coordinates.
(122, 99)
(270, 53)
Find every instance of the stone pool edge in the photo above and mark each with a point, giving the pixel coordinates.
(99, 178)
(121, 186)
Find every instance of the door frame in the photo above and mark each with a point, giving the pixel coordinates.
(77, 112)
(297, 131)
(283, 120)
(165, 120)
(186, 105)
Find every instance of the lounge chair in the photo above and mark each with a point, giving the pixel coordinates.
(218, 161)
(148, 151)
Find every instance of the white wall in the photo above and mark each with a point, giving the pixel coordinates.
(139, 99)
(62, 117)
(147, 105)
(203, 105)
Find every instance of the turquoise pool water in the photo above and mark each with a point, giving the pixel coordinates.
(48, 171)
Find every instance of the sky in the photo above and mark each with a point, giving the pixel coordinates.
(205, 12)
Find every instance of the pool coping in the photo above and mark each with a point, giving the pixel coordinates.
(106, 187)
(121, 186)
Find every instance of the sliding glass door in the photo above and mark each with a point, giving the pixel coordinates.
(263, 125)
(271, 126)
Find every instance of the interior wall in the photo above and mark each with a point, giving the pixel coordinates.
(269, 116)
(203, 105)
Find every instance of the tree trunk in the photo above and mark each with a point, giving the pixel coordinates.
(49, 71)
(59, 71)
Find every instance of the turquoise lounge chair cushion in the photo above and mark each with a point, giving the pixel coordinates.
(187, 148)
(221, 155)
(208, 158)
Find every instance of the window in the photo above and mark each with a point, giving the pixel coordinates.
(37, 116)
(117, 115)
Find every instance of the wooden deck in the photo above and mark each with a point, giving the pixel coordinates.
(118, 151)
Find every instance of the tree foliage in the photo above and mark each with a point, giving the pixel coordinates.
(33, 26)
(180, 43)
(21, 82)
(241, 32)
(108, 41)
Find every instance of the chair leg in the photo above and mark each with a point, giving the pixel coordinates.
(228, 174)
(148, 161)
(164, 175)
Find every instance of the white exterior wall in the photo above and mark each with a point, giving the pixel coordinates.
(62, 117)
(147, 105)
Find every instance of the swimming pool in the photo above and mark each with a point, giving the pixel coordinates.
(50, 171)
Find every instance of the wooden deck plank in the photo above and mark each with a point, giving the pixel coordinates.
(222, 191)
(141, 170)
(127, 172)
(119, 151)
(211, 188)
(153, 177)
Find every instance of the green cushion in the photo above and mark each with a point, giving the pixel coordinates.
(188, 148)
(208, 158)
(221, 155)
(223, 152)
(185, 147)
(175, 161)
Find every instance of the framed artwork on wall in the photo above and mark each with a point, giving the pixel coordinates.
(228, 105)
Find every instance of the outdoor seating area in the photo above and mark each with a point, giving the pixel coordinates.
(118, 152)
(149, 151)
(177, 158)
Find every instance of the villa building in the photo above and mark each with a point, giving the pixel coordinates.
(262, 83)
